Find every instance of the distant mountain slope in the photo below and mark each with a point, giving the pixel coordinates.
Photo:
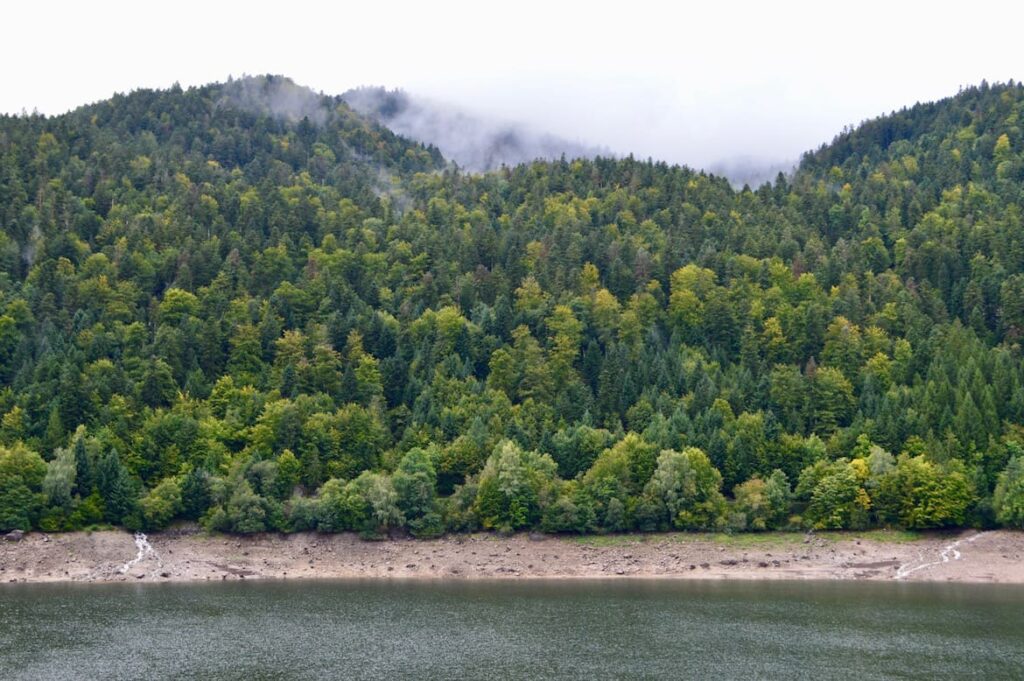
(266, 130)
(237, 122)
(474, 143)
(969, 122)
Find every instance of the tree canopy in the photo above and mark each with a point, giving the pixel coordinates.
(246, 304)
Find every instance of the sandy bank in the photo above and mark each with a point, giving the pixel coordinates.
(967, 556)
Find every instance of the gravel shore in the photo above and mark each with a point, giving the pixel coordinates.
(189, 555)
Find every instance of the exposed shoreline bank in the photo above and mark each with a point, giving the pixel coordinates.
(176, 556)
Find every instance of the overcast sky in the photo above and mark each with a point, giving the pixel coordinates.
(722, 80)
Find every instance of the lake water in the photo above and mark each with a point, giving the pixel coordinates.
(508, 630)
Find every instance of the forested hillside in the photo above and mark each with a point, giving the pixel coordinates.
(247, 305)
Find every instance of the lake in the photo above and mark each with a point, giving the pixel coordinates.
(511, 630)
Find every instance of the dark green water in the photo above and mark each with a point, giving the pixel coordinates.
(526, 630)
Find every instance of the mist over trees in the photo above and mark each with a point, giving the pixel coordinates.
(248, 305)
(474, 143)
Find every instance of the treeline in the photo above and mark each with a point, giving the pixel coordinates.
(631, 486)
(246, 305)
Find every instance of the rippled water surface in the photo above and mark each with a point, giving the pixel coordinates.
(508, 630)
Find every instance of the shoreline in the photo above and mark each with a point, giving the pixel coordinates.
(966, 556)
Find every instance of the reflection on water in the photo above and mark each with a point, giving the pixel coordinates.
(524, 630)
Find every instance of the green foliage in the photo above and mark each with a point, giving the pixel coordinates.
(368, 505)
(83, 478)
(514, 488)
(162, 503)
(241, 510)
(335, 508)
(630, 462)
(309, 321)
(195, 494)
(415, 483)
(1009, 494)
(837, 498)
(88, 512)
(288, 475)
(60, 479)
(117, 488)
(763, 504)
(685, 491)
(302, 513)
(929, 495)
(571, 511)
(22, 473)
(575, 449)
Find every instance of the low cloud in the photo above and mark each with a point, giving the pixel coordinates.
(276, 96)
(474, 142)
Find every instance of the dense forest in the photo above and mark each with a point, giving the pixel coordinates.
(247, 305)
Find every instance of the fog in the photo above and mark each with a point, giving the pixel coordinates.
(733, 85)
(278, 97)
(475, 143)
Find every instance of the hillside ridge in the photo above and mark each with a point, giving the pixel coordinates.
(246, 304)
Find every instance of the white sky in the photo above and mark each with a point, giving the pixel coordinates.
(686, 84)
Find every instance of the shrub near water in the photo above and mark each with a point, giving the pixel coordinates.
(1009, 494)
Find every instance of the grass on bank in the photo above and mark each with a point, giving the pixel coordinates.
(750, 539)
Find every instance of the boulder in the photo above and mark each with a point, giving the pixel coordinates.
(14, 535)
